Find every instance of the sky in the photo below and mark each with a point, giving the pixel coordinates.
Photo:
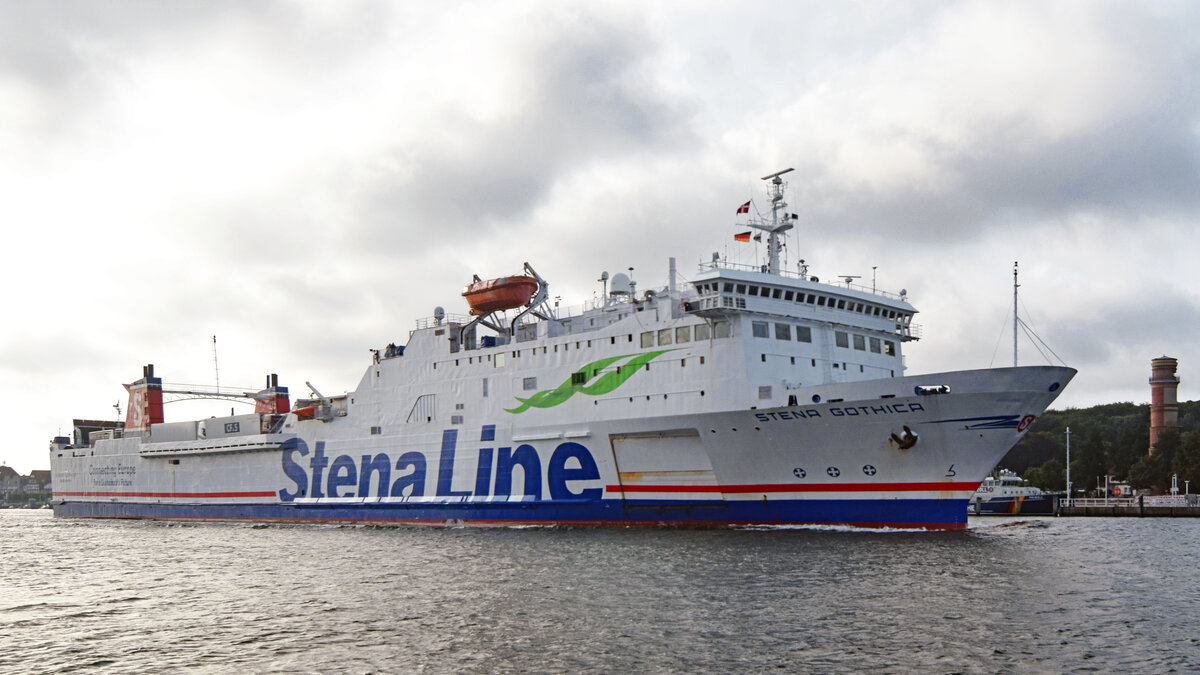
(305, 180)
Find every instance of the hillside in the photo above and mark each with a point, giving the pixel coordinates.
(1113, 439)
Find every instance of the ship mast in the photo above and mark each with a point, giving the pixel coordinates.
(775, 227)
(1015, 287)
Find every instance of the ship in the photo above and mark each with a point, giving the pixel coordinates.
(751, 395)
(1006, 494)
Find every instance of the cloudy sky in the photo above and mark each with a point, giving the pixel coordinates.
(304, 180)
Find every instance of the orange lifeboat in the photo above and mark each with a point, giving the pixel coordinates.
(493, 295)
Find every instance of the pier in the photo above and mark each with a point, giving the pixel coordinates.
(1174, 506)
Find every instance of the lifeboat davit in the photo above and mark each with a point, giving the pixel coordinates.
(493, 295)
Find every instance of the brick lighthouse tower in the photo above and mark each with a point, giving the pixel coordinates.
(1164, 406)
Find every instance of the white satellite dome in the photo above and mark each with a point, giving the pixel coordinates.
(620, 284)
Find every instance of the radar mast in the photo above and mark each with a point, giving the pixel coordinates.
(780, 220)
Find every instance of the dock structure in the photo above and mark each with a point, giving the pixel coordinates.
(1177, 506)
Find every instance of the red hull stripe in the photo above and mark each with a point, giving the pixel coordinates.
(495, 522)
(726, 489)
(210, 495)
(797, 487)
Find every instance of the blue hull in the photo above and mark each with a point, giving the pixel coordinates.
(937, 514)
(1027, 506)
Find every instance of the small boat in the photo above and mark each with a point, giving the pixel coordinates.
(493, 295)
(1008, 495)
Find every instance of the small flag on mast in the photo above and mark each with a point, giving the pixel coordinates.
(744, 208)
(744, 236)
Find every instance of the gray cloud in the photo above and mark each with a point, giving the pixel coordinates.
(305, 181)
(584, 100)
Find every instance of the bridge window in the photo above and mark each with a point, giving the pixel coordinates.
(758, 329)
(803, 334)
(860, 343)
(875, 345)
(754, 290)
(889, 347)
(683, 334)
(722, 329)
(529, 384)
(783, 331)
(841, 339)
(701, 332)
(648, 339)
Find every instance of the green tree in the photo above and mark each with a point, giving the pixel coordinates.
(1153, 471)
(1050, 476)
(1088, 459)
(1035, 449)
(1186, 463)
(1131, 445)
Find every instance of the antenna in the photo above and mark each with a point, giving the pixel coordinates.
(117, 405)
(849, 277)
(777, 174)
(216, 369)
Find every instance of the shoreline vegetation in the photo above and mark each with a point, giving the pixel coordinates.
(1112, 439)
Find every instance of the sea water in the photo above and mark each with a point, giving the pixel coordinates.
(1006, 595)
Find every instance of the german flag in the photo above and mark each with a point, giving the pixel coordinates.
(743, 236)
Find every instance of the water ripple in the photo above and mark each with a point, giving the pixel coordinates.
(1006, 596)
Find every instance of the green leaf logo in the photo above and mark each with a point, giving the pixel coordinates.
(593, 382)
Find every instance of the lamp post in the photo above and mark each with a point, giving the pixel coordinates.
(1068, 466)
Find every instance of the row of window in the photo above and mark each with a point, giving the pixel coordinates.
(679, 334)
(581, 377)
(783, 331)
(814, 299)
(864, 343)
(682, 334)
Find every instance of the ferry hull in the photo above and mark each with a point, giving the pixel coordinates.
(1041, 505)
(841, 462)
(928, 514)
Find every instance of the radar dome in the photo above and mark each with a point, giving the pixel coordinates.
(620, 284)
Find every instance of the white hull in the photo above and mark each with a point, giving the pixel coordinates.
(821, 462)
